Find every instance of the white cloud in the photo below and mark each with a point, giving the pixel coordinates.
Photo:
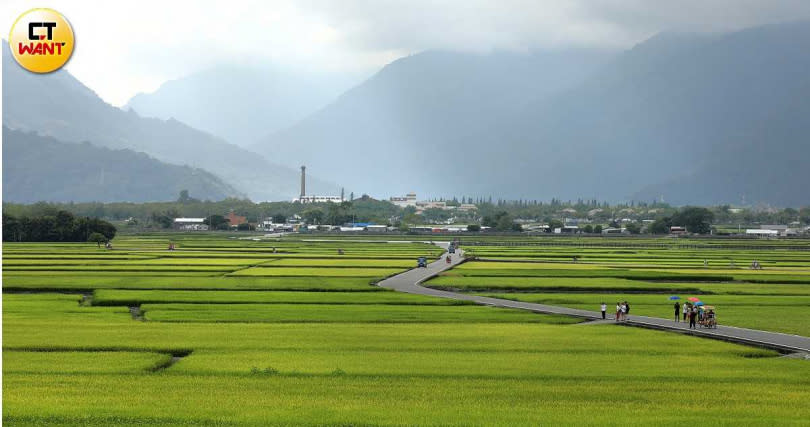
(127, 47)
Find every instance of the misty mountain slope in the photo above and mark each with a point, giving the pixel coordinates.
(404, 126)
(768, 164)
(42, 168)
(667, 108)
(242, 104)
(58, 105)
(670, 108)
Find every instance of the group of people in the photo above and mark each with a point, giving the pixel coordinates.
(622, 310)
(695, 313)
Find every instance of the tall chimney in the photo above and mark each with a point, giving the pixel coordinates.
(303, 181)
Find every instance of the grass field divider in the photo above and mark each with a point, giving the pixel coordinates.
(251, 266)
(174, 355)
(135, 312)
(86, 299)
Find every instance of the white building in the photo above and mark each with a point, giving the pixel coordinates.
(190, 224)
(775, 230)
(404, 201)
(430, 205)
(318, 199)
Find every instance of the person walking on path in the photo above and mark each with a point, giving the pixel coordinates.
(623, 311)
(626, 309)
(604, 309)
(618, 311)
(686, 308)
(692, 317)
(677, 311)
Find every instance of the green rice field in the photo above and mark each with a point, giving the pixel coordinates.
(226, 331)
(773, 298)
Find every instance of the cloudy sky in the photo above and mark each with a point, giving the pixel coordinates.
(123, 48)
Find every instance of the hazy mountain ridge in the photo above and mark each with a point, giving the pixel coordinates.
(671, 107)
(42, 168)
(702, 105)
(687, 117)
(242, 103)
(413, 118)
(59, 105)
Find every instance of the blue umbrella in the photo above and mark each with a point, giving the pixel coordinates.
(699, 303)
(674, 297)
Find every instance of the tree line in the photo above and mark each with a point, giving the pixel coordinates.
(62, 226)
(499, 215)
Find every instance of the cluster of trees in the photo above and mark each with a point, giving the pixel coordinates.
(501, 221)
(597, 229)
(728, 215)
(216, 222)
(499, 215)
(695, 219)
(61, 226)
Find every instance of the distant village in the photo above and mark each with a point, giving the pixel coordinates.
(454, 216)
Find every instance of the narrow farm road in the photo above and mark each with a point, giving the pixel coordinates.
(410, 282)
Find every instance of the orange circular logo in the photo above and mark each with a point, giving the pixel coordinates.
(41, 40)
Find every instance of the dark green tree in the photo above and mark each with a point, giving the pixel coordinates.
(97, 238)
(660, 226)
(313, 216)
(216, 222)
(339, 213)
(61, 227)
(433, 215)
(695, 219)
(633, 228)
(12, 231)
(804, 214)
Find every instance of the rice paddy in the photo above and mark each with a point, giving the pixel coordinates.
(278, 332)
(772, 298)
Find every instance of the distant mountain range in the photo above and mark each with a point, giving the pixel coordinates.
(60, 106)
(417, 124)
(42, 168)
(242, 104)
(687, 118)
(701, 119)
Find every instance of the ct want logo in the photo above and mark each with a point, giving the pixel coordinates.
(41, 40)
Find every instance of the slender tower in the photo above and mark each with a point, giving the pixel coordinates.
(303, 181)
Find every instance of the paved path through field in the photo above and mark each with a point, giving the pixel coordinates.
(410, 282)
